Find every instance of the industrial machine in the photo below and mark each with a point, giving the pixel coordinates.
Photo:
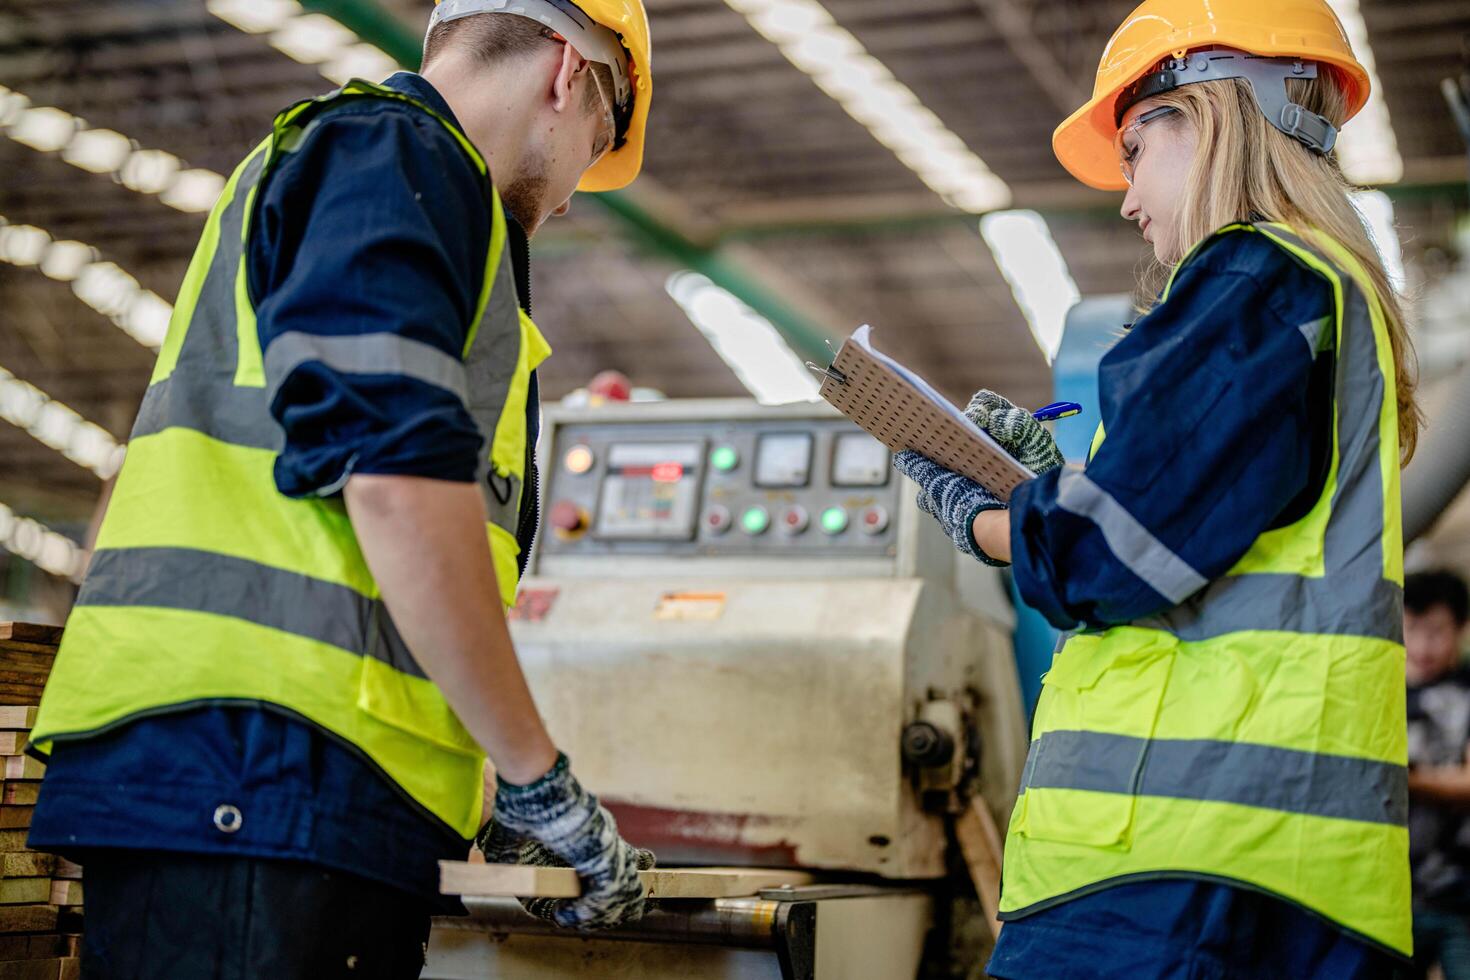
(757, 652)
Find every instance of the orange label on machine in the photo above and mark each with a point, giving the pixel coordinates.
(699, 606)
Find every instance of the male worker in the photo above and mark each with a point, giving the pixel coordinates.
(257, 764)
(1436, 610)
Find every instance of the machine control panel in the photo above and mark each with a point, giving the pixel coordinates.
(747, 487)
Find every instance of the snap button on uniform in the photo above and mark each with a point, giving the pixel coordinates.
(228, 818)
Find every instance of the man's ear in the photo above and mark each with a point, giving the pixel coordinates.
(567, 69)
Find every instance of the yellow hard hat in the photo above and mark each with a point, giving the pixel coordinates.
(1306, 30)
(613, 32)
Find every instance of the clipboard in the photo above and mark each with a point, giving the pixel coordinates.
(903, 411)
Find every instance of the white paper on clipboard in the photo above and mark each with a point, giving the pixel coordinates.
(903, 411)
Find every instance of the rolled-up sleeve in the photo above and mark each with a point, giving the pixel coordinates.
(366, 260)
(1217, 419)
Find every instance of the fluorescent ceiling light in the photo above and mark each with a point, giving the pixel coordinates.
(1377, 212)
(43, 128)
(150, 171)
(1029, 259)
(43, 547)
(1367, 147)
(27, 407)
(312, 39)
(103, 151)
(194, 190)
(255, 16)
(839, 64)
(105, 287)
(744, 339)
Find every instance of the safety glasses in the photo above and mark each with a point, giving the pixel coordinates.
(608, 132)
(1131, 150)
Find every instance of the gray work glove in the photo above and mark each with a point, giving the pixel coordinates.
(951, 499)
(555, 821)
(1016, 430)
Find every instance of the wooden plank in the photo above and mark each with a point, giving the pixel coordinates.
(27, 918)
(24, 767)
(529, 881)
(13, 840)
(27, 864)
(980, 843)
(66, 892)
(23, 947)
(23, 891)
(25, 665)
(30, 969)
(12, 742)
(67, 869)
(31, 633)
(14, 817)
(22, 791)
(22, 717)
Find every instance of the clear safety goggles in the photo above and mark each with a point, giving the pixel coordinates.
(1130, 153)
(607, 135)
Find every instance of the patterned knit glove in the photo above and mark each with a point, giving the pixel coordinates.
(1016, 430)
(951, 499)
(556, 813)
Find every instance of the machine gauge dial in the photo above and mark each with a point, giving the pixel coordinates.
(859, 460)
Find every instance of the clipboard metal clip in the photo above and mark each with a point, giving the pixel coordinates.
(830, 373)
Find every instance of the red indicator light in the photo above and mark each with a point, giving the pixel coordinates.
(667, 473)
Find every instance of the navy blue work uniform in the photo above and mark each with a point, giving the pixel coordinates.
(1208, 486)
(330, 856)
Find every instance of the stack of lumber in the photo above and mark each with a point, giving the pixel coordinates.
(40, 895)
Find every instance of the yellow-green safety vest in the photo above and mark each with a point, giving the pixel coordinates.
(208, 586)
(1254, 733)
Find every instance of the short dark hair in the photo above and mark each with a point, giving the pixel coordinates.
(489, 37)
(493, 37)
(1425, 590)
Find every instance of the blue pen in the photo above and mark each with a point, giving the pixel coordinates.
(1056, 410)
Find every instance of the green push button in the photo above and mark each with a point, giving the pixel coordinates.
(755, 520)
(724, 458)
(834, 520)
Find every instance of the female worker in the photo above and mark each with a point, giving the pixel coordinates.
(1216, 785)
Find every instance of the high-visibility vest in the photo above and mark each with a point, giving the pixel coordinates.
(209, 586)
(1254, 733)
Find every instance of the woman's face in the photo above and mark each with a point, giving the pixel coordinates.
(1158, 148)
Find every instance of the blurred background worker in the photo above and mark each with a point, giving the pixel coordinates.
(257, 764)
(1436, 610)
(1216, 782)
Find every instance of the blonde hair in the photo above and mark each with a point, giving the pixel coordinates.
(1247, 170)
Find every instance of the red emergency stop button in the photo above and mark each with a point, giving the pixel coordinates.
(875, 520)
(794, 519)
(717, 519)
(568, 520)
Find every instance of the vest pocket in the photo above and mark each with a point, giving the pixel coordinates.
(1098, 707)
(413, 705)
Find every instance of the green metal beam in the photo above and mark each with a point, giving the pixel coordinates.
(369, 21)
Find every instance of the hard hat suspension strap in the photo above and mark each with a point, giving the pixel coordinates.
(1267, 77)
(591, 39)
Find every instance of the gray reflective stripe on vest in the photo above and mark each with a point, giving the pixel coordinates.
(204, 581)
(200, 393)
(1312, 783)
(1353, 598)
(489, 369)
(1130, 542)
(370, 353)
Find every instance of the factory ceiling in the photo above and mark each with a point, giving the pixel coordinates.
(754, 175)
